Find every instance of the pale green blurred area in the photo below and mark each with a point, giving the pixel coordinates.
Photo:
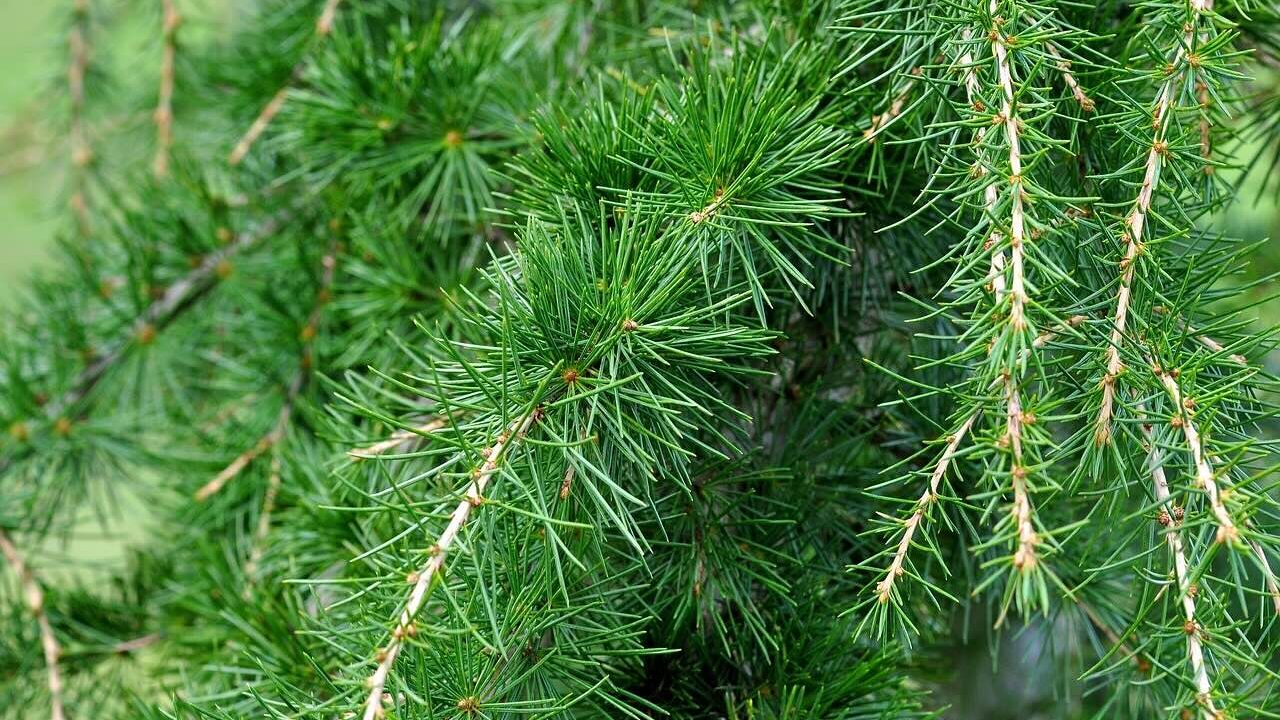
(28, 191)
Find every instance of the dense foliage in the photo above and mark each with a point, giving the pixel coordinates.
(645, 359)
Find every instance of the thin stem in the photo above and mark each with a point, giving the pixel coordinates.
(884, 588)
(397, 439)
(1227, 530)
(1136, 223)
(34, 595)
(324, 26)
(1017, 215)
(164, 107)
(1186, 590)
(277, 432)
(422, 579)
(882, 121)
(1025, 558)
(263, 528)
(81, 153)
(1064, 66)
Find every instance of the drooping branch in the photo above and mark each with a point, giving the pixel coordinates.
(164, 106)
(1135, 223)
(882, 121)
(1064, 66)
(1182, 418)
(277, 432)
(398, 438)
(422, 579)
(1172, 518)
(324, 26)
(81, 153)
(34, 595)
(177, 299)
(884, 588)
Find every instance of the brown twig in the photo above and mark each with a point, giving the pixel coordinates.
(1186, 589)
(1182, 417)
(34, 595)
(397, 439)
(1064, 66)
(422, 579)
(164, 106)
(881, 121)
(81, 153)
(1136, 223)
(324, 26)
(277, 432)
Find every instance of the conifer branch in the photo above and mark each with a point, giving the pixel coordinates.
(397, 439)
(324, 26)
(1025, 557)
(164, 106)
(1186, 589)
(899, 103)
(1136, 221)
(277, 432)
(422, 579)
(177, 298)
(1064, 67)
(81, 153)
(1017, 215)
(1182, 418)
(263, 527)
(884, 588)
(34, 596)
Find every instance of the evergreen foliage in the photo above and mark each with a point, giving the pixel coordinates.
(646, 359)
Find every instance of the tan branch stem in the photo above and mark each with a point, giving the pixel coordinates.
(423, 578)
(324, 26)
(1017, 215)
(164, 106)
(81, 153)
(397, 439)
(881, 121)
(1195, 651)
(1064, 66)
(1227, 530)
(34, 596)
(277, 432)
(1136, 223)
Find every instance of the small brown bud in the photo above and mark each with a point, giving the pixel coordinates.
(570, 376)
(224, 234)
(18, 431)
(452, 139)
(1164, 519)
(629, 325)
(146, 334)
(62, 426)
(469, 705)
